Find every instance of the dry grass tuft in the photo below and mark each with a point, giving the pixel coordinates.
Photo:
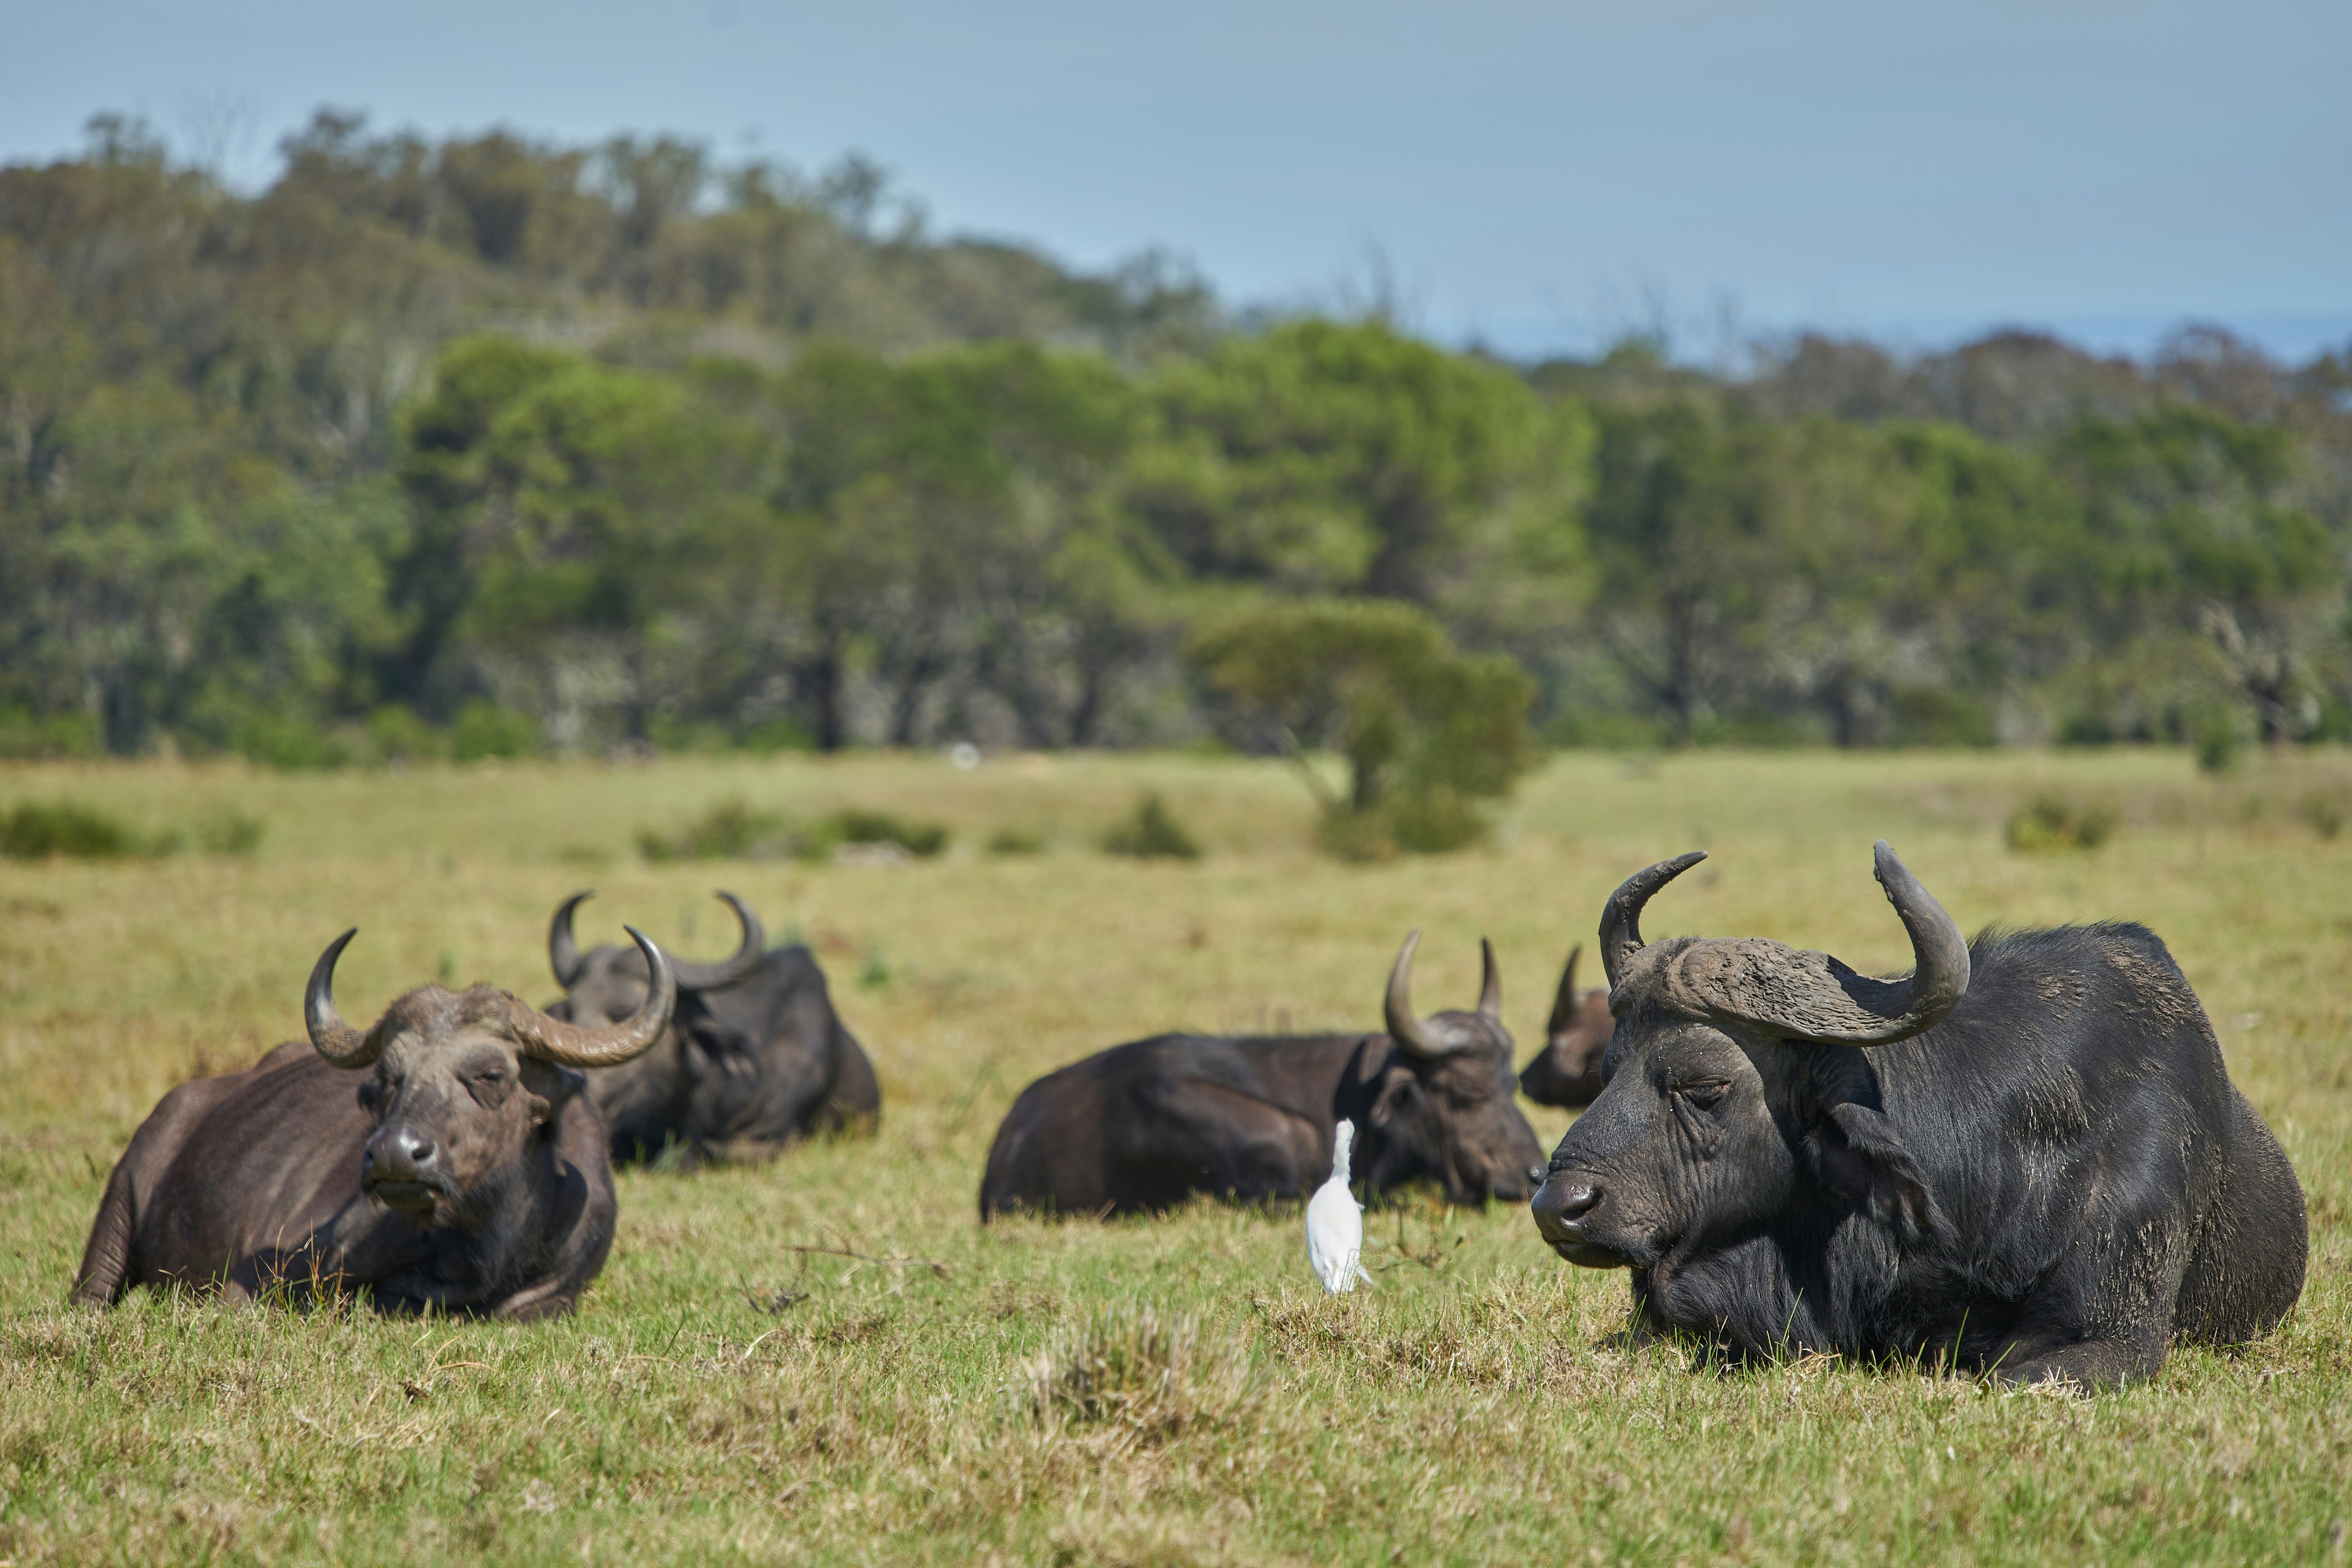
(1143, 1376)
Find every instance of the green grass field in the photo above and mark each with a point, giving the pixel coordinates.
(722, 1396)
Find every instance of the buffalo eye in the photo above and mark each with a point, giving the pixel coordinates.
(371, 1094)
(1705, 1094)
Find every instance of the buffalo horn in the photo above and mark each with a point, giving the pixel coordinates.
(1490, 981)
(1796, 995)
(726, 971)
(342, 1045)
(572, 1046)
(1564, 1004)
(1406, 1027)
(562, 951)
(1620, 918)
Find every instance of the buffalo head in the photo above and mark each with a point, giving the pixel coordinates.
(1443, 1108)
(1718, 1102)
(1567, 1071)
(465, 1080)
(608, 984)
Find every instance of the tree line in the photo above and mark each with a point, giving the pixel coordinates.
(492, 445)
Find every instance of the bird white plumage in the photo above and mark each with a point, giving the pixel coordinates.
(1334, 1223)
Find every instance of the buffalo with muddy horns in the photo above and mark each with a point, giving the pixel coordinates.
(754, 1058)
(467, 1172)
(1567, 1071)
(1143, 1126)
(2023, 1158)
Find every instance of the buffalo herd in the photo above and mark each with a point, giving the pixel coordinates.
(2023, 1159)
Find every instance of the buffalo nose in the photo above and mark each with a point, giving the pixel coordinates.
(401, 1153)
(1534, 1175)
(1562, 1203)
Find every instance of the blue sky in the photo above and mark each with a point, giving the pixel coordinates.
(1540, 177)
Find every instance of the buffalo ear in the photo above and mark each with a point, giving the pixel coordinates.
(551, 1087)
(1856, 1154)
(1399, 1095)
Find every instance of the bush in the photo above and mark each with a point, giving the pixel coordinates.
(35, 830)
(1017, 841)
(1151, 832)
(854, 825)
(25, 734)
(230, 833)
(485, 730)
(2325, 813)
(732, 830)
(2053, 822)
(2219, 743)
(397, 734)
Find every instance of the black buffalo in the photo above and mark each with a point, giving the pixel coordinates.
(1143, 1126)
(467, 1173)
(1567, 1071)
(754, 1058)
(2024, 1157)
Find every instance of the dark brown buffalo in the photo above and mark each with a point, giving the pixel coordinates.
(2025, 1157)
(1143, 1126)
(754, 1058)
(1567, 1071)
(467, 1173)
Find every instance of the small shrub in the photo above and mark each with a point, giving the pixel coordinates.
(485, 730)
(37, 830)
(1138, 1377)
(396, 734)
(2325, 813)
(733, 830)
(1151, 832)
(230, 833)
(2053, 822)
(25, 734)
(854, 825)
(1017, 841)
(2219, 744)
(730, 830)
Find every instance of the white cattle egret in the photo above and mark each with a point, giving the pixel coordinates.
(1334, 1223)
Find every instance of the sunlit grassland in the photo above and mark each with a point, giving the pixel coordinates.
(723, 1397)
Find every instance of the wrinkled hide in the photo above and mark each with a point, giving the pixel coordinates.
(1567, 1071)
(464, 1171)
(754, 1059)
(1142, 1127)
(2042, 1171)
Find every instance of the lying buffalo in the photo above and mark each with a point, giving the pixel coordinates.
(1143, 1126)
(1567, 1071)
(2043, 1171)
(467, 1173)
(755, 1058)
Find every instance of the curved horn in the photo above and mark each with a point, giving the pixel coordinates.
(1490, 981)
(569, 1044)
(1405, 1027)
(1564, 1004)
(726, 971)
(1620, 918)
(562, 951)
(1813, 996)
(342, 1045)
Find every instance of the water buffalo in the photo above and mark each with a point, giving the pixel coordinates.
(755, 1058)
(1567, 1071)
(467, 1173)
(2024, 1157)
(1143, 1126)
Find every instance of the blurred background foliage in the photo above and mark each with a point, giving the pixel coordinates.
(485, 445)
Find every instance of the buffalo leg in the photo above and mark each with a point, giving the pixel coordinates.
(2093, 1364)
